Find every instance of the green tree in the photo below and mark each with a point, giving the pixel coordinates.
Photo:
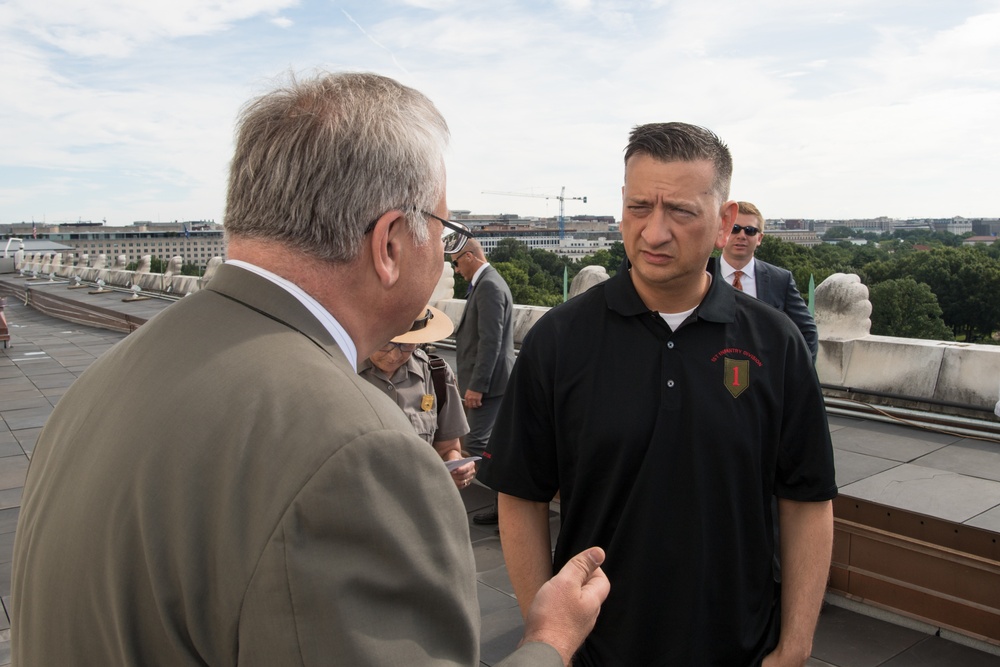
(611, 259)
(509, 249)
(521, 289)
(965, 281)
(908, 309)
(840, 232)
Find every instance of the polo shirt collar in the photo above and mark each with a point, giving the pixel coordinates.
(719, 305)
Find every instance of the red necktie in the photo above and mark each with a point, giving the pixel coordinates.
(736, 280)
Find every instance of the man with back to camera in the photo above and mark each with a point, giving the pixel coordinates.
(484, 350)
(656, 405)
(252, 500)
(769, 283)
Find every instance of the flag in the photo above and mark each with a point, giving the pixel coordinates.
(34, 232)
(565, 278)
(187, 232)
(812, 296)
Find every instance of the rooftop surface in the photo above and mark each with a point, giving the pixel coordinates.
(934, 473)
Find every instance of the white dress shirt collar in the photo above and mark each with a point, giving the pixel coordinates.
(479, 272)
(328, 321)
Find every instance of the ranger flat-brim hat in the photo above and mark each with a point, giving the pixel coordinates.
(433, 326)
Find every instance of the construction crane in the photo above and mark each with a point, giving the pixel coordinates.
(562, 203)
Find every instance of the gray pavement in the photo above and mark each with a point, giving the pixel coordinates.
(874, 461)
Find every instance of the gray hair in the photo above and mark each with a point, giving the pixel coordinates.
(317, 161)
(681, 142)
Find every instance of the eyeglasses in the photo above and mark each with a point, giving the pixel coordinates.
(404, 348)
(750, 231)
(455, 258)
(454, 236)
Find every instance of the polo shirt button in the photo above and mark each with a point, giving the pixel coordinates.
(670, 344)
(670, 383)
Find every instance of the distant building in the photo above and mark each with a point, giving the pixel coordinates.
(975, 240)
(986, 226)
(584, 234)
(196, 241)
(794, 235)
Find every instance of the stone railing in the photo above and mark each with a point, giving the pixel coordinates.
(906, 371)
(81, 268)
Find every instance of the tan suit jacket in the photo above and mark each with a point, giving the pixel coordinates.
(222, 489)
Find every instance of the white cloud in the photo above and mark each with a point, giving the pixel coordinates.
(832, 110)
(116, 27)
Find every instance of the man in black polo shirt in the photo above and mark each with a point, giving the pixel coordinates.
(667, 409)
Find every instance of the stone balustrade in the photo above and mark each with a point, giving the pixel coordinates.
(66, 266)
(850, 358)
(958, 374)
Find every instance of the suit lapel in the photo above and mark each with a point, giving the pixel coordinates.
(763, 281)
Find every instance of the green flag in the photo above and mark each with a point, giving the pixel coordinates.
(812, 296)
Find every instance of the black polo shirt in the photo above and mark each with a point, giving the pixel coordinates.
(667, 448)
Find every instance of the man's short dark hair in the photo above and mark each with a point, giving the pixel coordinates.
(682, 142)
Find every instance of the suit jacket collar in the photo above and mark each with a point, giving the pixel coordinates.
(762, 278)
(273, 301)
(478, 275)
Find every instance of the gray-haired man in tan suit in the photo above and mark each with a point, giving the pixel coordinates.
(222, 488)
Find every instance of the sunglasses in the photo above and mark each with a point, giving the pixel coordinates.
(750, 231)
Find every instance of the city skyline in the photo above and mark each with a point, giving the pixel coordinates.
(124, 110)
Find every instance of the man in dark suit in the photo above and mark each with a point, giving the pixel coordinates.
(771, 284)
(222, 488)
(484, 349)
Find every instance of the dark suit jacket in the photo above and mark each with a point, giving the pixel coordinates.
(776, 286)
(484, 340)
(222, 488)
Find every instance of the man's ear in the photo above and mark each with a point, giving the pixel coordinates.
(728, 215)
(386, 245)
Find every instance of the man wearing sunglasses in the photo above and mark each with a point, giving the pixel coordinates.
(250, 500)
(769, 283)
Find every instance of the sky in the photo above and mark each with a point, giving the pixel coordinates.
(124, 110)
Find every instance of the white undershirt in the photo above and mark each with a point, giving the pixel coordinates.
(674, 320)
